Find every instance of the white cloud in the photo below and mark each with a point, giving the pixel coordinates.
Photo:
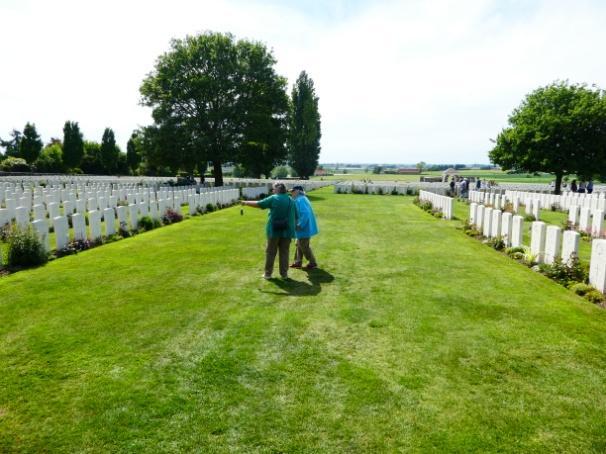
(398, 81)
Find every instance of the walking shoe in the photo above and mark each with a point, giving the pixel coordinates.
(296, 265)
(310, 267)
(266, 277)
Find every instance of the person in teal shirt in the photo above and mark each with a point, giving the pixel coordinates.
(280, 228)
(305, 229)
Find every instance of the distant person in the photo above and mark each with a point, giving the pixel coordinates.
(479, 184)
(589, 186)
(306, 227)
(573, 186)
(582, 187)
(452, 186)
(280, 228)
(463, 187)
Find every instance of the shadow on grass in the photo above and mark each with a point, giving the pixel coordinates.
(292, 287)
(313, 198)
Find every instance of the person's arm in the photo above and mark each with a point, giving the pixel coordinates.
(265, 203)
(250, 203)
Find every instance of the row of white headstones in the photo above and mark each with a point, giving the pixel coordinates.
(585, 211)
(104, 209)
(350, 187)
(443, 203)
(547, 242)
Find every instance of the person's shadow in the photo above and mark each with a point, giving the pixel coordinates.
(313, 286)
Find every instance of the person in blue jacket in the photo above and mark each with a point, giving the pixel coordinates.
(306, 227)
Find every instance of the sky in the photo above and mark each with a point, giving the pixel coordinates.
(398, 81)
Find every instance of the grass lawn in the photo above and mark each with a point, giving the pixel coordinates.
(412, 337)
(495, 175)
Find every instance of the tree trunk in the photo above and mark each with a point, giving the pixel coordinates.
(218, 173)
(558, 183)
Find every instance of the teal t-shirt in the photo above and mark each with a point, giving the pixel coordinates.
(280, 206)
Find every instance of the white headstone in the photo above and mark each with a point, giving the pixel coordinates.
(584, 219)
(487, 223)
(122, 217)
(79, 224)
(68, 207)
(553, 241)
(570, 245)
(537, 240)
(39, 211)
(94, 224)
(495, 229)
(109, 217)
(597, 267)
(133, 213)
(4, 217)
(597, 225)
(41, 228)
(472, 212)
(573, 215)
(506, 225)
(22, 217)
(479, 216)
(53, 210)
(536, 209)
(61, 231)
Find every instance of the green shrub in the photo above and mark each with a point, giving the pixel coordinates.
(594, 296)
(497, 243)
(25, 248)
(581, 288)
(146, 223)
(210, 207)
(566, 274)
(529, 218)
(12, 164)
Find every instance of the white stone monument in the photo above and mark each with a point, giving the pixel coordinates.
(110, 221)
(570, 245)
(94, 225)
(597, 267)
(61, 231)
(79, 224)
(537, 240)
(40, 226)
(553, 242)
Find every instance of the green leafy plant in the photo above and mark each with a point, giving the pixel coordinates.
(25, 249)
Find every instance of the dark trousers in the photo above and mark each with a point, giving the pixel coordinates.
(304, 250)
(273, 246)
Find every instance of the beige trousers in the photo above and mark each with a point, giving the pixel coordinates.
(303, 249)
(273, 246)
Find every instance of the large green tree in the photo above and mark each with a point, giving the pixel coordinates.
(205, 91)
(560, 129)
(12, 145)
(91, 162)
(30, 144)
(73, 145)
(265, 102)
(109, 151)
(305, 132)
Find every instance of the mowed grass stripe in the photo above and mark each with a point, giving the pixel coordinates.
(413, 337)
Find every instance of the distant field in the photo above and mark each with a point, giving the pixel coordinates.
(495, 175)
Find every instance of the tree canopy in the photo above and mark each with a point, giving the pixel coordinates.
(219, 98)
(560, 129)
(305, 132)
(73, 145)
(30, 144)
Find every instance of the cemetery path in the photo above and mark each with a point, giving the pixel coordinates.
(411, 337)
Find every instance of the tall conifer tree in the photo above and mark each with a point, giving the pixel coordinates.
(304, 134)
